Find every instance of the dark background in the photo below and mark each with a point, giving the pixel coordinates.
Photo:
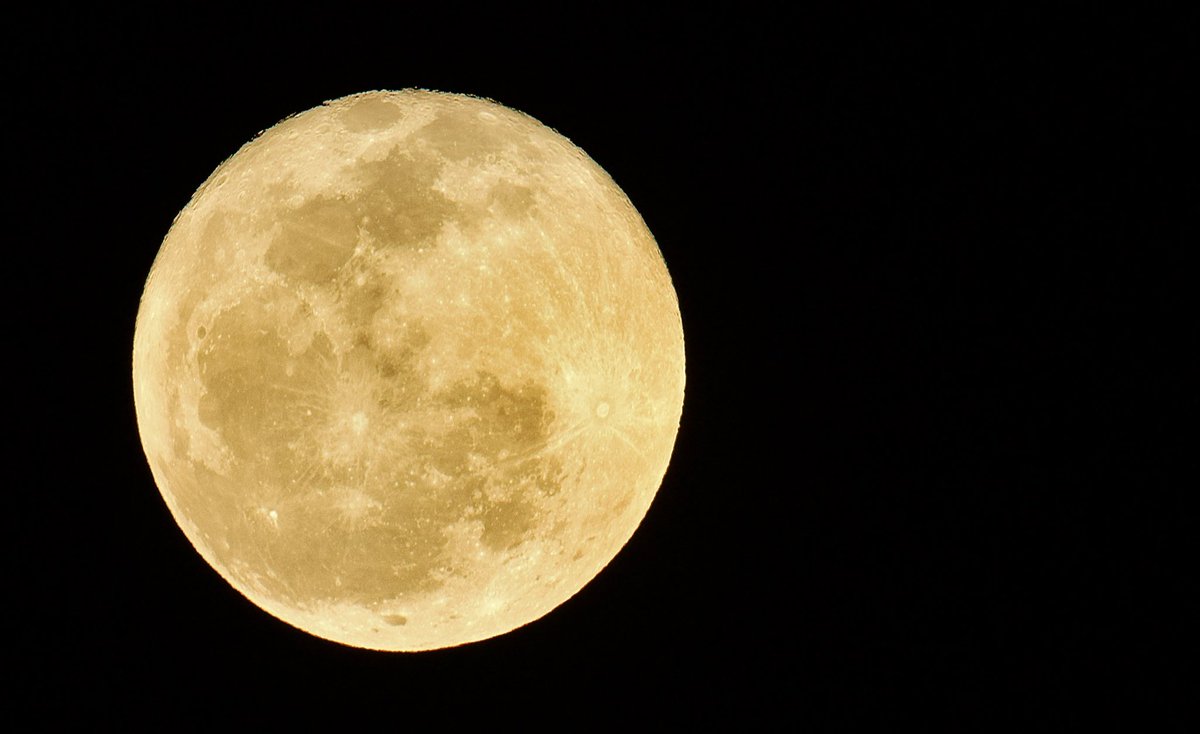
(926, 266)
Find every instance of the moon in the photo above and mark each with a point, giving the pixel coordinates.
(408, 370)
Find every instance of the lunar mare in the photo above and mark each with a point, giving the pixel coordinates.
(408, 370)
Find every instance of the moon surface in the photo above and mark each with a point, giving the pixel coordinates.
(408, 370)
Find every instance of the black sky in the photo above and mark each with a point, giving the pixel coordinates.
(919, 260)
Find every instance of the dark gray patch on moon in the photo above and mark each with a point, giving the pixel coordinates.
(460, 134)
(399, 206)
(396, 206)
(506, 523)
(511, 200)
(314, 241)
(371, 113)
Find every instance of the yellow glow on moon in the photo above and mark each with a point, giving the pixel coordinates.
(408, 370)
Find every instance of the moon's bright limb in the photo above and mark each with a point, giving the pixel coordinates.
(408, 370)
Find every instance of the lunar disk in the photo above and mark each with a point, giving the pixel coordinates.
(408, 370)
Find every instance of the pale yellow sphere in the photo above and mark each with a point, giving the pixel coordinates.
(408, 370)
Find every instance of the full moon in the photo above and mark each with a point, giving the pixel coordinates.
(408, 370)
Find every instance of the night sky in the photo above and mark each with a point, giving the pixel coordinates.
(926, 266)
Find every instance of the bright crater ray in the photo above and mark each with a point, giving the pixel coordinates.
(408, 370)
